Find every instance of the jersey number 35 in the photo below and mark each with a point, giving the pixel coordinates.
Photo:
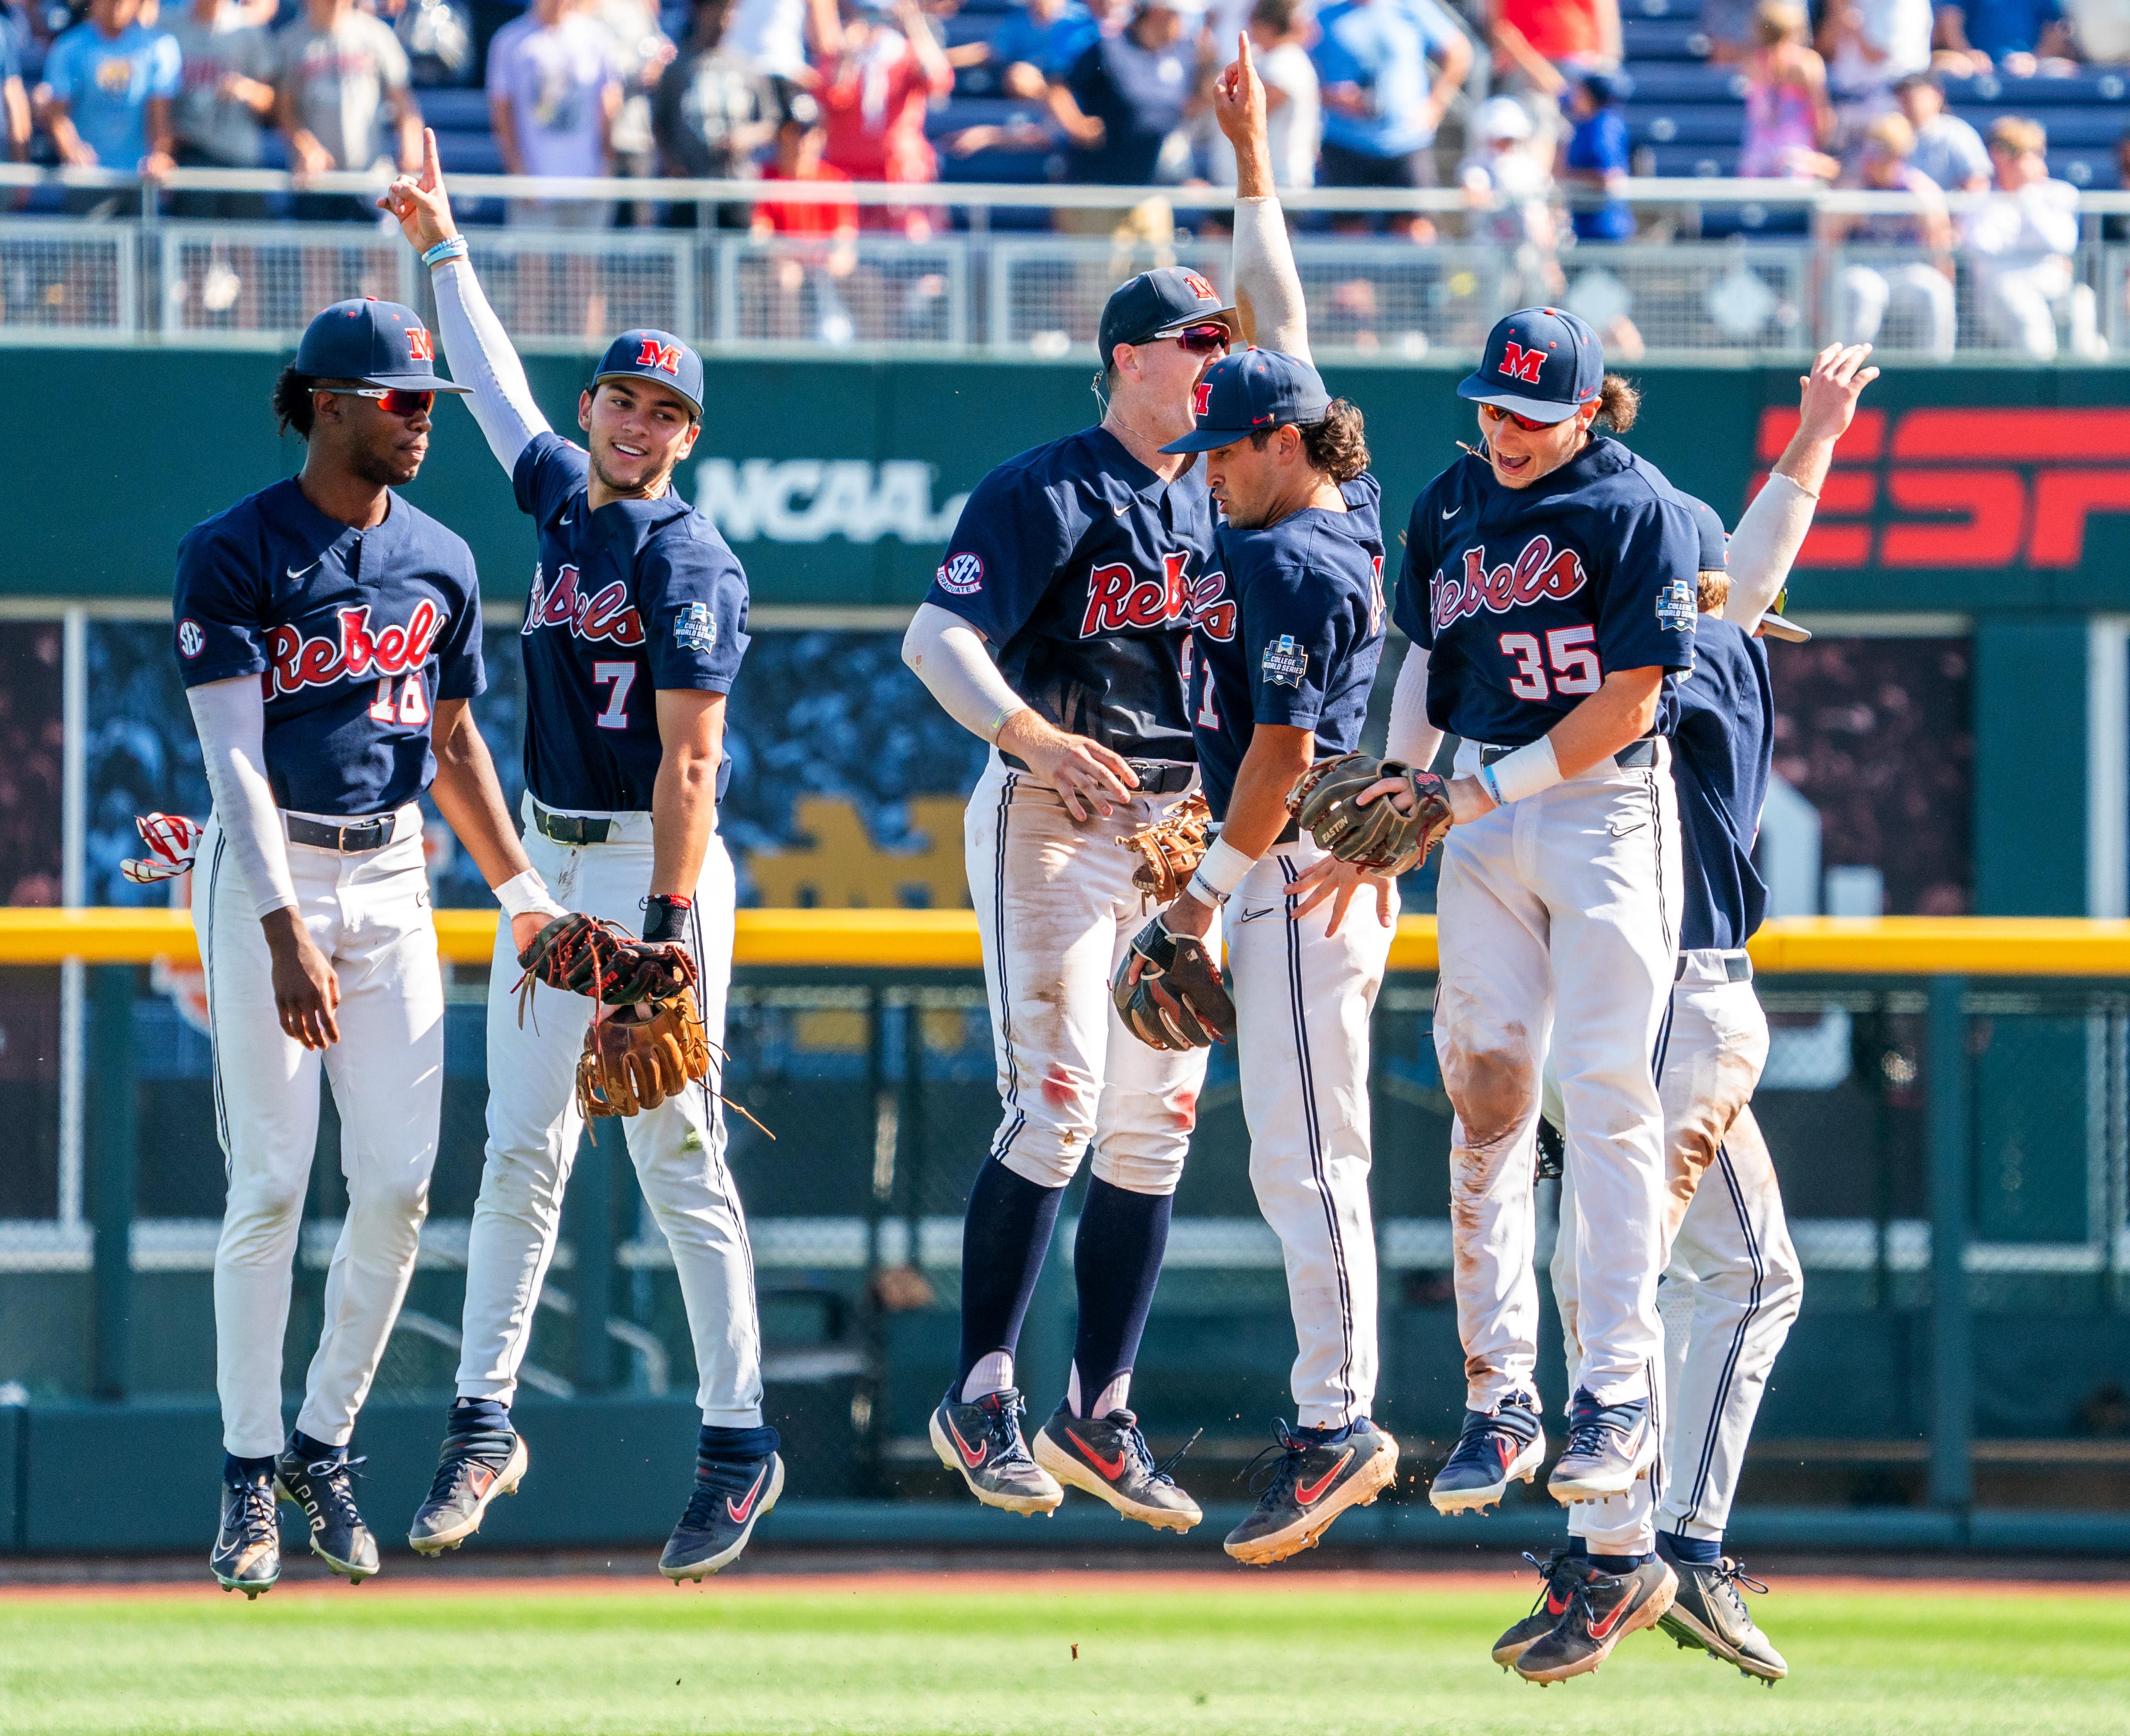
(1570, 651)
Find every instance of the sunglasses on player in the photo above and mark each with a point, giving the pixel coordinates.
(392, 400)
(1495, 412)
(1203, 340)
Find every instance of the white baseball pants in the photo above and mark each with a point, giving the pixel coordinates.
(1557, 920)
(1730, 1250)
(678, 1148)
(1057, 909)
(1867, 291)
(369, 915)
(1303, 998)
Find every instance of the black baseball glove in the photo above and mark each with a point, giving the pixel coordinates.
(1179, 1001)
(1377, 837)
(604, 960)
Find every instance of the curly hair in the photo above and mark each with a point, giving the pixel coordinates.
(1618, 403)
(1336, 445)
(293, 407)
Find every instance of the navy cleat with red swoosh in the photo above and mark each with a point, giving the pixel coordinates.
(736, 1483)
(1494, 1449)
(983, 1440)
(1108, 1457)
(1602, 1609)
(1318, 1474)
(1544, 1614)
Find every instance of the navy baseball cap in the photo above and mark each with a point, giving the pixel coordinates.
(375, 343)
(656, 355)
(1159, 305)
(1540, 362)
(1256, 391)
(1715, 540)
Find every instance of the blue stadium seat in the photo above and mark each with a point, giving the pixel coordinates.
(1662, 82)
(1659, 9)
(468, 153)
(2095, 169)
(2073, 129)
(1663, 39)
(2095, 85)
(1685, 124)
(1755, 222)
(1696, 161)
(451, 110)
(979, 112)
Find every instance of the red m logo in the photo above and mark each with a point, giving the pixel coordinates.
(421, 346)
(1200, 288)
(1521, 363)
(665, 357)
(1201, 398)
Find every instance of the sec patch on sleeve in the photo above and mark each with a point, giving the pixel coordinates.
(962, 576)
(191, 640)
(1285, 662)
(695, 628)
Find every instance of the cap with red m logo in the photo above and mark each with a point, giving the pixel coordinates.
(658, 356)
(1545, 363)
(375, 343)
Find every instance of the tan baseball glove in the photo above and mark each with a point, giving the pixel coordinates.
(1179, 1001)
(1377, 837)
(642, 1054)
(1172, 847)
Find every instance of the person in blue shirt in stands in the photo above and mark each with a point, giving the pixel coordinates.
(106, 92)
(1039, 43)
(1380, 108)
(1597, 159)
(2009, 36)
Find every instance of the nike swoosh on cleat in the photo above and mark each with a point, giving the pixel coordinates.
(740, 1510)
(1599, 1629)
(970, 1459)
(1555, 1605)
(1305, 1494)
(1110, 1469)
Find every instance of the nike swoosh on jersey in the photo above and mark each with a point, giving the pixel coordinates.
(566, 518)
(1450, 512)
(297, 572)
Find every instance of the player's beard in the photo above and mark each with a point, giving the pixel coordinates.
(390, 466)
(650, 488)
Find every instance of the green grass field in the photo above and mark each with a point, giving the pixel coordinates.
(1295, 1657)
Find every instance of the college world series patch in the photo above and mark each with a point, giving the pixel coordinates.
(695, 628)
(1285, 662)
(1676, 610)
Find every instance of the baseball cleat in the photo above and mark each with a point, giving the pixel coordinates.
(1318, 1473)
(1493, 1450)
(729, 1495)
(1609, 1448)
(1108, 1457)
(1603, 1610)
(983, 1440)
(323, 1488)
(1707, 1612)
(472, 1469)
(1544, 1614)
(247, 1547)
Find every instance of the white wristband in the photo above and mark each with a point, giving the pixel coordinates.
(1527, 771)
(1222, 868)
(526, 895)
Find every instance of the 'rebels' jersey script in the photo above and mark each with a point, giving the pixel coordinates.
(1528, 598)
(354, 635)
(1288, 631)
(640, 595)
(1077, 563)
(1722, 746)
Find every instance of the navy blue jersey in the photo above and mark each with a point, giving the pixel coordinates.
(1527, 598)
(354, 635)
(640, 595)
(1076, 562)
(1289, 630)
(1722, 747)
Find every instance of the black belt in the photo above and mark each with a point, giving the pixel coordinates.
(1156, 777)
(570, 828)
(1737, 968)
(1632, 757)
(350, 839)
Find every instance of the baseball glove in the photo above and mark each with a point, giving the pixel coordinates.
(601, 959)
(1172, 848)
(1377, 837)
(637, 1057)
(1179, 1001)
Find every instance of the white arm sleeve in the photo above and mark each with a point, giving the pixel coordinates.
(231, 717)
(1764, 547)
(947, 655)
(479, 350)
(1267, 286)
(1412, 739)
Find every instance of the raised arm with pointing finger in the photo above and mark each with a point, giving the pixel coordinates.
(1267, 286)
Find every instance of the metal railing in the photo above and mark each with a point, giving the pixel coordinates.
(1763, 288)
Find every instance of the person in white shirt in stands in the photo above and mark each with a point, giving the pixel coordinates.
(553, 92)
(1279, 32)
(1869, 285)
(1511, 194)
(2020, 241)
(1948, 151)
(1869, 47)
(773, 37)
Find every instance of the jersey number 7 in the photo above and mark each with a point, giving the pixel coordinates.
(1570, 650)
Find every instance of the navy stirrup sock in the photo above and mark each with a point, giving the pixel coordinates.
(1117, 1258)
(237, 1472)
(1696, 1551)
(717, 1445)
(479, 1416)
(1004, 1239)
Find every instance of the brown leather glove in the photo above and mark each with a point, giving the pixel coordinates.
(639, 1056)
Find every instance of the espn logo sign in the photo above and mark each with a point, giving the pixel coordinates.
(1961, 488)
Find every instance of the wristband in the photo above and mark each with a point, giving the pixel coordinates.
(665, 917)
(1524, 773)
(1492, 788)
(454, 249)
(1220, 871)
(526, 895)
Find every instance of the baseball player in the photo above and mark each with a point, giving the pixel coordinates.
(1724, 1229)
(1286, 635)
(633, 636)
(1549, 592)
(1073, 567)
(328, 635)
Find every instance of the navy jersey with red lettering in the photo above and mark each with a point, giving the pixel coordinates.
(640, 595)
(354, 635)
(1527, 598)
(1076, 562)
(1289, 630)
(1723, 745)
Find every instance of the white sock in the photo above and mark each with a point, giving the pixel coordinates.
(993, 1373)
(1112, 1396)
